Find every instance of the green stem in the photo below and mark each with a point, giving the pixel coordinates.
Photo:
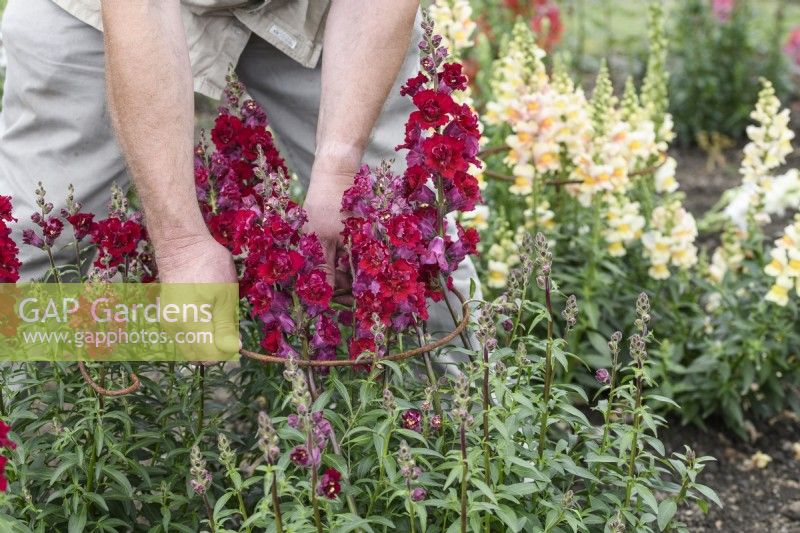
(464, 339)
(276, 504)
(590, 275)
(609, 408)
(411, 514)
(242, 509)
(635, 439)
(548, 370)
(78, 260)
(53, 268)
(518, 318)
(314, 503)
(464, 473)
(487, 518)
(201, 369)
(437, 404)
(210, 513)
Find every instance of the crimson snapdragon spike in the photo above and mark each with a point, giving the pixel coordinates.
(8, 444)
(121, 241)
(396, 228)
(9, 261)
(243, 189)
(50, 226)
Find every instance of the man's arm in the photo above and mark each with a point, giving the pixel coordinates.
(365, 45)
(152, 108)
(151, 100)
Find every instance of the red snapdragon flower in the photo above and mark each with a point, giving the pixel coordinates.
(81, 224)
(243, 189)
(9, 263)
(547, 23)
(329, 484)
(401, 250)
(313, 289)
(434, 108)
(3, 480)
(403, 231)
(792, 47)
(411, 419)
(452, 76)
(6, 209)
(444, 155)
(5, 442)
(300, 456)
(280, 266)
(116, 240)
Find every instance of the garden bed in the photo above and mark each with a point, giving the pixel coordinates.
(756, 499)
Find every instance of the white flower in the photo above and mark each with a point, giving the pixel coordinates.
(624, 224)
(478, 218)
(742, 200)
(665, 181)
(453, 21)
(498, 274)
(782, 193)
(670, 240)
(523, 179)
(785, 265)
(770, 142)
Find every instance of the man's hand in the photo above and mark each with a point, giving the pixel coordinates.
(183, 264)
(365, 44)
(199, 259)
(323, 203)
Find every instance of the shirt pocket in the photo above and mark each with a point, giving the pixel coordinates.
(202, 7)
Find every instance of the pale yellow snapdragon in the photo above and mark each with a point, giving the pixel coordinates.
(624, 224)
(453, 21)
(669, 240)
(785, 265)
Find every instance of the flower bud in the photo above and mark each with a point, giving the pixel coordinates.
(418, 494)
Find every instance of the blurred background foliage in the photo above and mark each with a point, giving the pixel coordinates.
(718, 50)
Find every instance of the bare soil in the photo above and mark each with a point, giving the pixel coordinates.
(755, 499)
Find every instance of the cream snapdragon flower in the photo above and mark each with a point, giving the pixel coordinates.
(664, 178)
(545, 218)
(670, 240)
(785, 265)
(478, 218)
(624, 224)
(762, 194)
(503, 255)
(453, 21)
(728, 256)
(770, 137)
(517, 72)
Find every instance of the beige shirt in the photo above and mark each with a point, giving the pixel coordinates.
(218, 30)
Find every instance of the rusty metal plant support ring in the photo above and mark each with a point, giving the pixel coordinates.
(662, 159)
(133, 387)
(462, 324)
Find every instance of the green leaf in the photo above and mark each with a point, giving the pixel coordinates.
(97, 500)
(647, 496)
(77, 521)
(220, 504)
(509, 518)
(484, 488)
(709, 493)
(352, 523)
(666, 510)
(120, 479)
